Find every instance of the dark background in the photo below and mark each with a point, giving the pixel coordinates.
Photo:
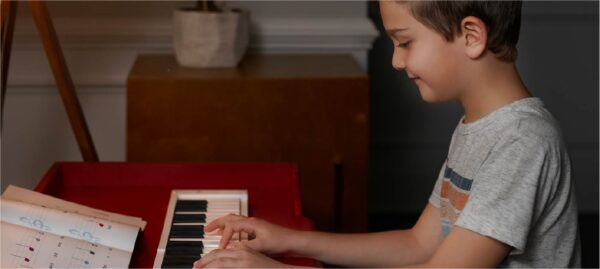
(558, 60)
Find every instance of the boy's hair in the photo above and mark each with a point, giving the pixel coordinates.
(502, 20)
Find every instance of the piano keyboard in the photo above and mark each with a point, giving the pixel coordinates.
(183, 240)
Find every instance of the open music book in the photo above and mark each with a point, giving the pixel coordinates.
(43, 231)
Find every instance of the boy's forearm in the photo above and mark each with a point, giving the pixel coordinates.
(384, 249)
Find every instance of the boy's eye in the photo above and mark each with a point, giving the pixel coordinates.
(404, 45)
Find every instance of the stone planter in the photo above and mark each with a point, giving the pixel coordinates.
(210, 39)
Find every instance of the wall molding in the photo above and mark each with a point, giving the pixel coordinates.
(100, 51)
(91, 33)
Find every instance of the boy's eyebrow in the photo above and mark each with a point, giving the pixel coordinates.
(393, 31)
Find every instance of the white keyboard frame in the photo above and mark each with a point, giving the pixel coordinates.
(203, 194)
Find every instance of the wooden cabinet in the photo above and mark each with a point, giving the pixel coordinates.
(311, 110)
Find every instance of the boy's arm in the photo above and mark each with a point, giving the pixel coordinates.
(384, 249)
(464, 248)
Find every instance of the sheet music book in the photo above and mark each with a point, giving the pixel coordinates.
(41, 231)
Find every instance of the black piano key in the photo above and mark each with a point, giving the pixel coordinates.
(177, 266)
(184, 250)
(178, 263)
(192, 202)
(188, 218)
(185, 257)
(188, 227)
(187, 231)
(180, 235)
(194, 227)
(200, 204)
(184, 244)
(184, 247)
(191, 205)
(181, 254)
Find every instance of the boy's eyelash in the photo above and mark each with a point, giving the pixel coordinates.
(403, 45)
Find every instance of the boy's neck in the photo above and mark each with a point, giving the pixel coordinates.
(492, 88)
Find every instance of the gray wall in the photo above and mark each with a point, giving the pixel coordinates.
(558, 60)
(101, 40)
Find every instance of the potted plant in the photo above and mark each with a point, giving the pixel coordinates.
(210, 35)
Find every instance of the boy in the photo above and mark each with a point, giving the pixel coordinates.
(504, 196)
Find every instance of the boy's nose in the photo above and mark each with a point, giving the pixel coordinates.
(398, 62)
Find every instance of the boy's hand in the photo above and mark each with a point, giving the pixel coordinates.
(237, 255)
(264, 236)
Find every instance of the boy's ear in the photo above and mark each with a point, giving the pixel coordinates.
(474, 34)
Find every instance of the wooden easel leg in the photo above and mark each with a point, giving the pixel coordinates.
(8, 10)
(63, 79)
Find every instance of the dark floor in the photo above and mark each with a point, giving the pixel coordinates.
(588, 228)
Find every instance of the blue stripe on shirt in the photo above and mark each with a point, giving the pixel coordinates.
(459, 181)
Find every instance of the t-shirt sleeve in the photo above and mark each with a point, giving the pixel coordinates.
(505, 190)
(435, 197)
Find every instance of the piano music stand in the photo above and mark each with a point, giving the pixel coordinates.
(57, 64)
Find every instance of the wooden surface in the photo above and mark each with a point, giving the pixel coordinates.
(307, 109)
(160, 67)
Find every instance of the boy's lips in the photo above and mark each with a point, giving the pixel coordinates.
(416, 80)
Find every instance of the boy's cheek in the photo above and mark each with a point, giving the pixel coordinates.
(436, 76)
(424, 63)
(437, 91)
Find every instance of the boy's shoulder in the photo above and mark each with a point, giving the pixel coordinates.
(533, 122)
(523, 130)
(529, 121)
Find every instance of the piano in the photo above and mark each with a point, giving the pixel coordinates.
(146, 190)
(183, 240)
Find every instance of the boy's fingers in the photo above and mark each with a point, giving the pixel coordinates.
(243, 245)
(240, 225)
(252, 244)
(232, 245)
(227, 234)
(216, 223)
(220, 222)
(223, 263)
(211, 226)
(213, 255)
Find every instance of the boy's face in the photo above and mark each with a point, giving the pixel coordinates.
(430, 60)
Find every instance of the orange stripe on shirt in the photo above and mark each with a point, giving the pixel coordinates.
(456, 198)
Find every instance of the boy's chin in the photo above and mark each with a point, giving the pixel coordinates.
(430, 97)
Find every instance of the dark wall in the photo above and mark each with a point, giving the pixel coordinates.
(558, 60)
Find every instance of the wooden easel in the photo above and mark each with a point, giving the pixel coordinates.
(58, 65)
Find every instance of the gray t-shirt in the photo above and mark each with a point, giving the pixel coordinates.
(508, 177)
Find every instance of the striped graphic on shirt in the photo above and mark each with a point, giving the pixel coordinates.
(454, 195)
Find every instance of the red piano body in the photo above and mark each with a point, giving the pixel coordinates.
(143, 190)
